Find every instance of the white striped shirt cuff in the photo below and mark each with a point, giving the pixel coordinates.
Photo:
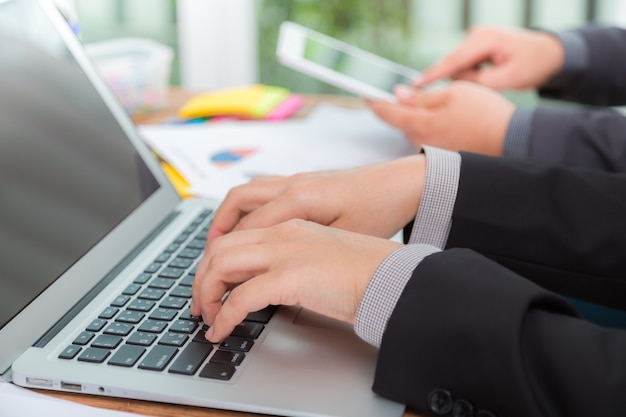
(429, 235)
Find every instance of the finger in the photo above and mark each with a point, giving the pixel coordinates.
(240, 201)
(250, 296)
(497, 78)
(384, 110)
(399, 117)
(468, 75)
(199, 306)
(227, 262)
(405, 94)
(431, 99)
(465, 58)
(194, 305)
(298, 202)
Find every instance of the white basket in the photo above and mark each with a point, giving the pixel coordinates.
(136, 69)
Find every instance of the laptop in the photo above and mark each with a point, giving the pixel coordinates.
(98, 253)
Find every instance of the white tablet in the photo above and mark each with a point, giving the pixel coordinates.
(340, 64)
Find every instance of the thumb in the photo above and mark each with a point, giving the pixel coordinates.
(413, 97)
(431, 99)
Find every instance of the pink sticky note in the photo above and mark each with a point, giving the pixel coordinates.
(286, 108)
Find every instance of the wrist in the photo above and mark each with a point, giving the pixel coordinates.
(552, 54)
(406, 187)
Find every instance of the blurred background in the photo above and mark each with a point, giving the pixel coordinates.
(219, 44)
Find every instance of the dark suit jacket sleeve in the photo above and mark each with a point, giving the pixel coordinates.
(591, 138)
(473, 322)
(604, 82)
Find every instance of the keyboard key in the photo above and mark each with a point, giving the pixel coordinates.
(94, 355)
(163, 257)
(96, 325)
(108, 313)
(187, 281)
(228, 358)
(142, 339)
(180, 262)
(163, 314)
(200, 337)
(153, 294)
(248, 330)
(120, 301)
(158, 358)
(170, 272)
(190, 252)
(172, 248)
(181, 291)
(174, 302)
(119, 329)
(131, 289)
(237, 344)
(152, 268)
(184, 326)
(190, 359)
(186, 315)
(262, 316)
(182, 237)
(142, 278)
(163, 283)
(127, 356)
(197, 244)
(173, 339)
(141, 305)
(70, 352)
(107, 341)
(130, 316)
(153, 326)
(83, 338)
(218, 371)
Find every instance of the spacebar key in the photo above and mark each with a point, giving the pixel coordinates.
(191, 358)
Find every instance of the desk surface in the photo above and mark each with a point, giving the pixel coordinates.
(176, 99)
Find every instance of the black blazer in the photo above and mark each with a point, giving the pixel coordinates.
(587, 136)
(482, 326)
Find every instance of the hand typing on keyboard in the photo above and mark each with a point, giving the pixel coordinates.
(260, 249)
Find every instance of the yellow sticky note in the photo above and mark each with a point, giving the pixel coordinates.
(250, 101)
(271, 97)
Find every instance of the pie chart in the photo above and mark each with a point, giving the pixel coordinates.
(230, 156)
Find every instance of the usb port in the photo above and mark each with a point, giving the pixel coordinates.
(71, 386)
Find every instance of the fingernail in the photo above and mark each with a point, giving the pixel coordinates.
(209, 334)
(404, 92)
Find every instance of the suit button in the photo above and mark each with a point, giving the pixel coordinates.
(463, 408)
(485, 413)
(440, 401)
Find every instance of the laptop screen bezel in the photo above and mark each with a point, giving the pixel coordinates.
(52, 304)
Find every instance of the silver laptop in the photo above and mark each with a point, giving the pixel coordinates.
(98, 253)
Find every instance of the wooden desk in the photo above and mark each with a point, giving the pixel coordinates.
(176, 99)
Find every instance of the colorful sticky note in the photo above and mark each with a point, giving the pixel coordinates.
(251, 101)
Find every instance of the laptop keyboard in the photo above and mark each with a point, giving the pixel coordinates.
(149, 326)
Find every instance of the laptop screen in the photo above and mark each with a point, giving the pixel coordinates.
(68, 173)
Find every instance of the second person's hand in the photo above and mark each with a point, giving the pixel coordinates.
(462, 116)
(501, 59)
